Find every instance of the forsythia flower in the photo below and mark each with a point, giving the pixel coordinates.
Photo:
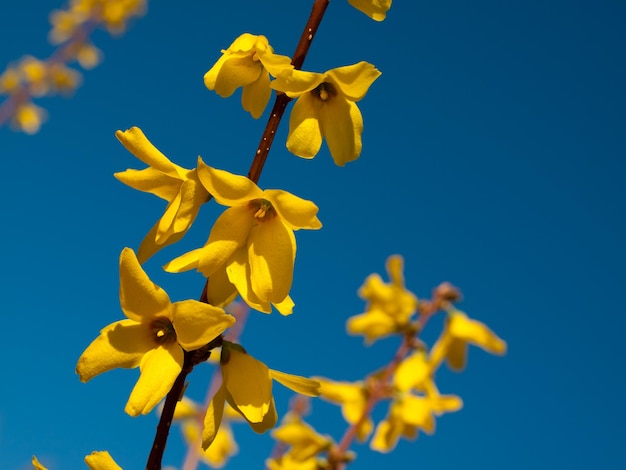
(326, 108)
(247, 387)
(459, 331)
(408, 414)
(178, 186)
(95, 461)
(28, 118)
(247, 63)
(390, 306)
(303, 441)
(252, 242)
(353, 399)
(152, 337)
(375, 9)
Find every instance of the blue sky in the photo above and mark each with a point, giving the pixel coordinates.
(493, 158)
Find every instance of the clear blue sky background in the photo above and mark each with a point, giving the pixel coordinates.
(493, 158)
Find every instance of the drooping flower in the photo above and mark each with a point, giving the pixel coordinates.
(326, 108)
(247, 387)
(248, 63)
(375, 9)
(390, 306)
(459, 331)
(251, 245)
(178, 186)
(152, 337)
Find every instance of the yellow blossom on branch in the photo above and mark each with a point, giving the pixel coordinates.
(247, 63)
(459, 331)
(247, 387)
(326, 108)
(390, 306)
(180, 187)
(152, 337)
(375, 9)
(100, 460)
(252, 242)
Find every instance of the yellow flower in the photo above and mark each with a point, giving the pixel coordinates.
(304, 442)
(178, 186)
(408, 414)
(64, 79)
(251, 245)
(152, 337)
(247, 387)
(375, 9)
(459, 331)
(10, 80)
(28, 117)
(35, 75)
(353, 400)
(413, 372)
(390, 306)
(247, 63)
(326, 109)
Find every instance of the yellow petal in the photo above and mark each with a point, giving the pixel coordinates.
(373, 324)
(456, 355)
(226, 188)
(236, 72)
(269, 420)
(230, 232)
(285, 307)
(354, 80)
(185, 409)
(210, 78)
(140, 298)
(386, 436)
(417, 412)
(375, 9)
(149, 246)
(271, 254)
(220, 291)
(475, 332)
(37, 465)
(296, 82)
(305, 135)
(138, 144)
(395, 269)
(248, 382)
(213, 417)
(184, 262)
(275, 64)
(341, 125)
(412, 372)
(101, 461)
(223, 447)
(446, 404)
(151, 181)
(159, 369)
(238, 271)
(296, 212)
(297, 383)
(255, 96)
(120, 344)
(197, 323)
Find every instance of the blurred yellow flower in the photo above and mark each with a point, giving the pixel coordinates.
(247, 63)
(326, 108)
(251, 245)
(352, 396)
(304, 442)
(375, 9)
(247, 387)
(459, 331)
(180, 187)
(390, 306)
(28, 117)
(153, 336)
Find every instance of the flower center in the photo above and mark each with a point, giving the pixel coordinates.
(262, 209)
(324, 91)
(163, 331)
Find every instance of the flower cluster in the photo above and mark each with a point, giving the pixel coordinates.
(33, 78)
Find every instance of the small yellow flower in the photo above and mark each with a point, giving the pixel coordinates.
(390, 306)
(152, 337)
(251, 245)
(326, 108)
(352, 396)
(375, 9)
(459, 331)
(64, 79)
(178, 186)
(10, 80)
(247, 387)
(28, 117)
(247, 63)
(35, 75)
(304, 442)
(410, 413)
